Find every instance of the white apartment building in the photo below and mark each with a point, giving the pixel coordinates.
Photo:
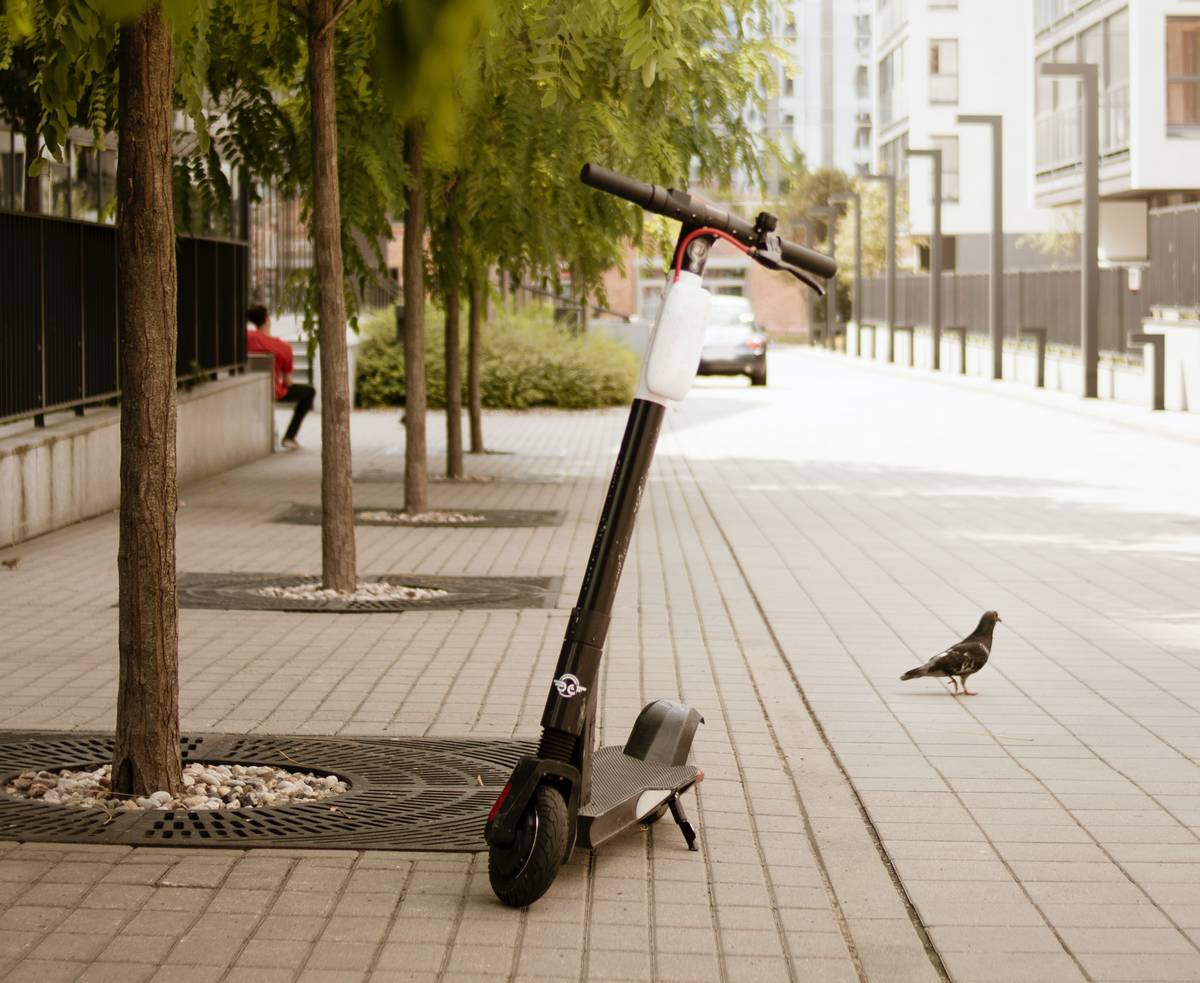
(824, 103)
(821, 106)
(935, 59)
(1148, 53)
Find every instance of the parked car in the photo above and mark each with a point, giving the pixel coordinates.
(733, 344)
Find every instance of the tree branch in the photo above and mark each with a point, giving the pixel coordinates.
(339, 8)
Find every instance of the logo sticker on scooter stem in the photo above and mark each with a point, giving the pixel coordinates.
(568, 685)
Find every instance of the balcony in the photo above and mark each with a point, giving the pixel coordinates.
(889, 20)
(1060, 138)
(1047, 13)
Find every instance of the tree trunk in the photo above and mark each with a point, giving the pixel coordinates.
(338, 554)
(146, 747)
(416, 478)
(33, 184)
(474, 343)
(454, 435)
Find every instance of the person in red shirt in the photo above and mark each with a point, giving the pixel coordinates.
(259, 340)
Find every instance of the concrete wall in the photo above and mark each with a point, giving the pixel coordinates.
(1123, 380)
(1182, 357)
(52, 477)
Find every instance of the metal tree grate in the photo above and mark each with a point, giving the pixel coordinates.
(310, 515)
(237, 592)
(405, 794)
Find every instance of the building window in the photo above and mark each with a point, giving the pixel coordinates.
(789, 85)
(943, 71)
(861, 84)
(948, 145)
(1183, 73)
(892, 104)
(893, 157)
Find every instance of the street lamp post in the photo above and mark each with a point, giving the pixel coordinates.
(996, 304)
(829, 214)
(1089, 262)
(889, 294)
(935, 254)
(810, 240)
(856, 301)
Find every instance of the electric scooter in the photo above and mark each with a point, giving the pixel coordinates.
(569, 794)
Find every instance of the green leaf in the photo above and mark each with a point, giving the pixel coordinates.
(648, 72)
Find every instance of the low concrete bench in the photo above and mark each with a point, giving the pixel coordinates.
(1159, 395)
(902, 329)
(1039, 337)
(858, 342)
(960, 330)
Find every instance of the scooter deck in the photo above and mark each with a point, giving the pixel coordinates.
(625, 791)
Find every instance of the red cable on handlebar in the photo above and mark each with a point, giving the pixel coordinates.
(695, 234)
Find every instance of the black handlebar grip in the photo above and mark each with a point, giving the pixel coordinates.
(809, 259)
(689, 209)
(602, 179)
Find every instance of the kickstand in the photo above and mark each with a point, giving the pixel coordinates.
(681, 819)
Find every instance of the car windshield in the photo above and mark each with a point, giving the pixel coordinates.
(730, 321)
(727, 334)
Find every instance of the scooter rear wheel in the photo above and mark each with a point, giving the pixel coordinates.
(523, 871)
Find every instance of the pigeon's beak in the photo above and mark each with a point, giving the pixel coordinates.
(999, 619)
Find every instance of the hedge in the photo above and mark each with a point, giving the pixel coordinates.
(526, 362)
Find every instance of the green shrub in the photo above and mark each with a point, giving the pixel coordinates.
(526, 361)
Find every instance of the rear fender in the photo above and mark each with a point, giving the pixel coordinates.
(663, 732)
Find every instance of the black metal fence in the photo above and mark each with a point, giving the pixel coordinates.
(1050, 299)
(60, 320)
(1047, 299)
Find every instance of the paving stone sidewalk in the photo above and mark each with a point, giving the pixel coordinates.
(799, 547)
(790, 884)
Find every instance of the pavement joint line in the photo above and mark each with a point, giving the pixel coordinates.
(714, 920)
(456, 924)
(737, 755)
(522, 924)
(262, 914)
(392, 920)
(589, 897)
(954, 791)
(814, 844)
(1190, 938)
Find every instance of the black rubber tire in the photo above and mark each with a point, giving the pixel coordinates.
(759, 378)
(522, 872)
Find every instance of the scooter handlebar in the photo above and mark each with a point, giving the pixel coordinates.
(693, 210)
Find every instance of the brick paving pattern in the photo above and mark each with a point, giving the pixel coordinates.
(799, 547)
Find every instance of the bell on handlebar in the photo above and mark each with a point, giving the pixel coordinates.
(766, 222)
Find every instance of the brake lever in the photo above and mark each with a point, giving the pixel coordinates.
(771, 256)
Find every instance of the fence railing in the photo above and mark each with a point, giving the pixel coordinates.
(1173, 277)
(1050, 299)
(1047, 299)
(60, 319)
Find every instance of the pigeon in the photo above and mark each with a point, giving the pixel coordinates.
(961, 659)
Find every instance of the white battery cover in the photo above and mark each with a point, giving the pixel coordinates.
(673, 356)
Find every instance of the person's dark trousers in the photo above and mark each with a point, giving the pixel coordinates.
(302, 395)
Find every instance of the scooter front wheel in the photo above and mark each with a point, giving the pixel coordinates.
(523, 871)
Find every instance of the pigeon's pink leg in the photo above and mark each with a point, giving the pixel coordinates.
(954, 683)
(967, 692)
